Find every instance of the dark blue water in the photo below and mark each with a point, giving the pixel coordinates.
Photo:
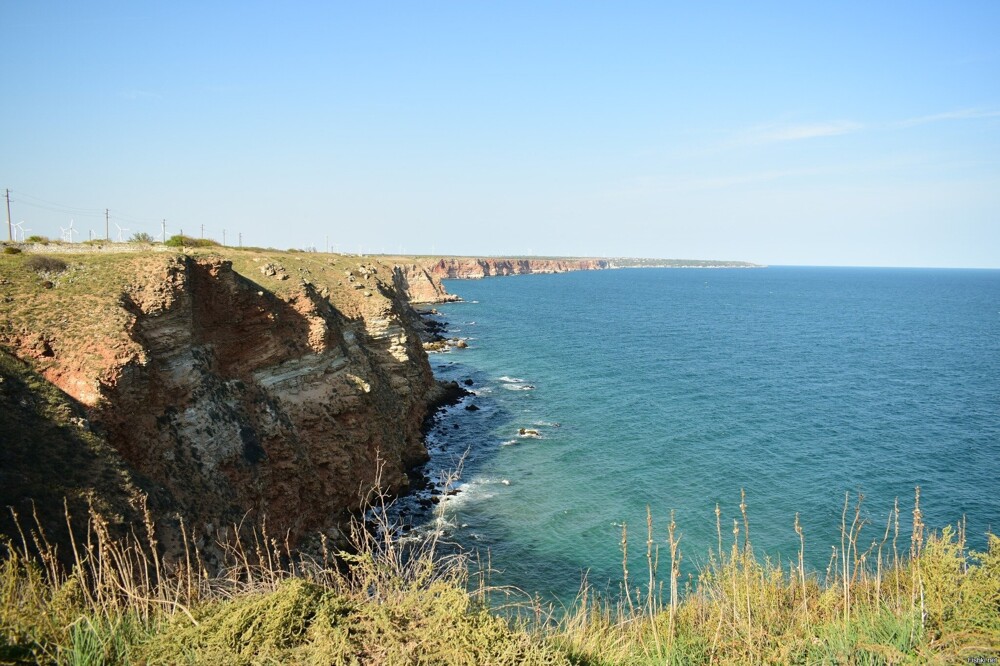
(678, 388)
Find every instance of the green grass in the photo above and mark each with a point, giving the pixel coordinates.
(391, 603)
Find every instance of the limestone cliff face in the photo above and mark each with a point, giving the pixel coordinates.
(420, 285)
(280, 390)
(420, 281)
(471, 268)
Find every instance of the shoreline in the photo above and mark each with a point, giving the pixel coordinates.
(420, 278)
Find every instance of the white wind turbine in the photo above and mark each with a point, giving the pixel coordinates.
(67, 233)
(19, 228)
(121, 230)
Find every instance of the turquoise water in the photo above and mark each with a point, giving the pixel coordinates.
(677, 388)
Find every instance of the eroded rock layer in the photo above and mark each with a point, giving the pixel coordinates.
(281, 387)
(472, 267)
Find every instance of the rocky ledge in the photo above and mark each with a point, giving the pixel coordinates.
(229, 388)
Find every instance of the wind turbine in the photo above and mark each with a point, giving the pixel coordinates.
(120, 231)
(67, 233)
(19, 227)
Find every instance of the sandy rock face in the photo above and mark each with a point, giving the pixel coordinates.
(472, 268)
(243, 394)
(420, 284)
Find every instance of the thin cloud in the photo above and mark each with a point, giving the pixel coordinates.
(642, 187)
(781, 133)
(960, 114)
(723, 182)
(657, 185)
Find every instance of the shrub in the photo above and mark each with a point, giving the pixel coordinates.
(187, 241)
(141, 237)
(42, 264)
(11, 250)
(38, 239)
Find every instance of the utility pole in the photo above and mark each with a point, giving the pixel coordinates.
(10, 229)
(107, 225)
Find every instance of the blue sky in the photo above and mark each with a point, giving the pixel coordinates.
(781, 133)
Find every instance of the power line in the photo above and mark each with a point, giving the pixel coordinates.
(54, 207)
(39, 202)
(58, 209)
(137, 220)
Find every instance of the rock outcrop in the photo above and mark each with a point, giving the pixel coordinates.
(420, 281)
(285, 387)
(419, 285)
(473, 267)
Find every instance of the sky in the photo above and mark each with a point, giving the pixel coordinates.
(849, 133)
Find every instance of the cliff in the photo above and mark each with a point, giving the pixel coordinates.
(228, 387)
(419, 279)
(473, 268)
(419, 284)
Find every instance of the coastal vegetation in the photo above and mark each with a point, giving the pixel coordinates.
(93, 572)
(902, 596)
(189, 241)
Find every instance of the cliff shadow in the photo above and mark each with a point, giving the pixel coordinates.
(52, 463)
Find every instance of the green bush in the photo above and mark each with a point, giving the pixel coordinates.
(11, 250)
(38, 239)
(141, 237)
(188, 241)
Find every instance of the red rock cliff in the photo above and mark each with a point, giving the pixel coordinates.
(420, 285)
(277, 389)
(471, 267)
(420, 281)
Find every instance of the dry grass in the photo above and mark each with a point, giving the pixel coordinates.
(381, 601)
(939, 603)
(391, 602)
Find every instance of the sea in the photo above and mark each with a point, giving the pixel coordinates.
(597, 394)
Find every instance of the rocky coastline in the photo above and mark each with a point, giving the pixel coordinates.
(470, 268)
(223, 389)
(420, 277)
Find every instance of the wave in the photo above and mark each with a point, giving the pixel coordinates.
(511, 380)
